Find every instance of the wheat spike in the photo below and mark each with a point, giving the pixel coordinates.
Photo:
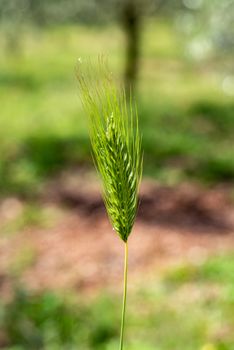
(116, 144)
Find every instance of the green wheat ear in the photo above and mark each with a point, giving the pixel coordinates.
(116, 146)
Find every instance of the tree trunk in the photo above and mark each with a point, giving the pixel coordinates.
(131, 19)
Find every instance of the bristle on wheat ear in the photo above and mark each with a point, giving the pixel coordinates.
(116, 144)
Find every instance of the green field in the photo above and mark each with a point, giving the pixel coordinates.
(189, 307)
(185, 116)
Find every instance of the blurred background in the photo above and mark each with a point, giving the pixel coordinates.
(60, 263)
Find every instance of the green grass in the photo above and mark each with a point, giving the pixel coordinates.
(190, 307)
(186, 118)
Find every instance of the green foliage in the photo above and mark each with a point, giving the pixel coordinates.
(116, 145)
(218, 116)
(213, 270)
(38, 158)
(184, 114)
(48, 321)
(191, 307)
(32, 320)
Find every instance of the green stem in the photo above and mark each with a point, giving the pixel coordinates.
(124, 296)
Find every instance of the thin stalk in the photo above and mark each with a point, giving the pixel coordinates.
(124, 296)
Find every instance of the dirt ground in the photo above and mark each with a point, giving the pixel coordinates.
(82, 252)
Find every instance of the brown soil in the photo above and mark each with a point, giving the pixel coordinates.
(80, 251)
